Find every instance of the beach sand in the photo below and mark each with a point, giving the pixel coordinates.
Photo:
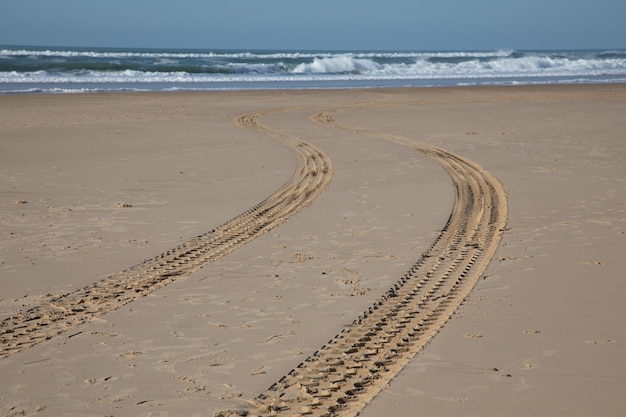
(92, 185)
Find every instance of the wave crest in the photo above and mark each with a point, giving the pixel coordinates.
(341, 64)
(24, 68)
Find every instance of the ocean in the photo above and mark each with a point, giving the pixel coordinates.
(77, 70)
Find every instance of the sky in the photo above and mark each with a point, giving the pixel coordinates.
(416, 25)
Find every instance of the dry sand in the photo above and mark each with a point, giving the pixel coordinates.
(94, 184)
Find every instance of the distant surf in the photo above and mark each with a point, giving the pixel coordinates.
(69, 70)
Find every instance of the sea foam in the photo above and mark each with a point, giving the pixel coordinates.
(47, 69)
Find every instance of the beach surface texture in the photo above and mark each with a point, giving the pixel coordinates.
(425, 251)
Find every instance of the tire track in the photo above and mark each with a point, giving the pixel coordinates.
(60, 314)
(341, 377)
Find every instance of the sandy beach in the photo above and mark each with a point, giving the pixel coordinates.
(184, 254)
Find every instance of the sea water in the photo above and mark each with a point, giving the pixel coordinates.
(63, 70)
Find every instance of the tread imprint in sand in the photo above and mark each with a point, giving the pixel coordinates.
(342, 376)
(59, 314)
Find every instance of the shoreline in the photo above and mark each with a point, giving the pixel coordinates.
(548, 85)
(249, 314)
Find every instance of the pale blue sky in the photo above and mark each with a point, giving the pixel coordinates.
(316, 24)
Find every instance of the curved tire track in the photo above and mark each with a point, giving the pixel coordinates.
(341, 377)
(60, 314)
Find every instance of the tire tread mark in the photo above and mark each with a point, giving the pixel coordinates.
(342, 376)
(60, 313)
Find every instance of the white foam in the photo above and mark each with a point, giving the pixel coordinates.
(337, 64)
(244, 55)
(362, 68)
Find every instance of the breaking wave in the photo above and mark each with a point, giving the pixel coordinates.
(34, 69)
